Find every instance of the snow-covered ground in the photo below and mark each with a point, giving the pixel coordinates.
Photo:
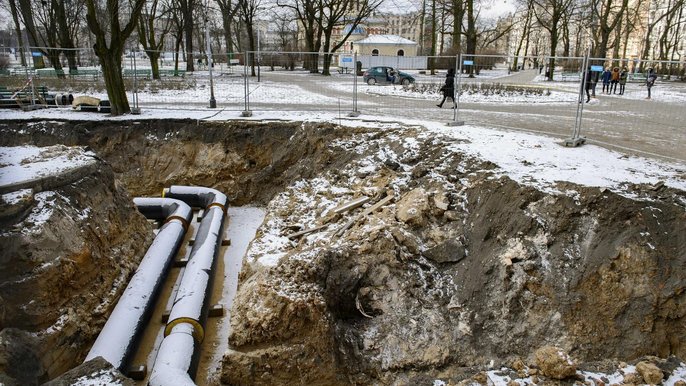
(25, 163)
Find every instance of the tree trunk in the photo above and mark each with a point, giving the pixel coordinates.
(17, 27)
(553, 49)
(251, 45)
(154, 57)
(525, 33)
(327, 56)
(471, 35)
(27, 16)
(433, 37)
(116, 92)
(63, 34)
(458, 15)
(177, 49)
(188, 26)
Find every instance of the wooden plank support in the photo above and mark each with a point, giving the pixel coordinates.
(181, 262)
(306, 231)
(191, 242)
(201, 213)
(366, 212)
(137, 372)
(226, 242)
(352, 205)
(217, 310)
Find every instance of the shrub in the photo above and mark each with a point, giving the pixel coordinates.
(481, 88)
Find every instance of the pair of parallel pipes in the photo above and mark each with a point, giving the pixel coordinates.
(178, 355)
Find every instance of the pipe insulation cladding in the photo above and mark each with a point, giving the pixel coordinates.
(119, 336)
(177, 358)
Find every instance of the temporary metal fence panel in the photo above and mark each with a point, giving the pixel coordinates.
(298, 81)
(522, 93)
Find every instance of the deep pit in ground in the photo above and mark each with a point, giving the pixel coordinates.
(459, 269)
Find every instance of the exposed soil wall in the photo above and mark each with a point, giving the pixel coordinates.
(463, 267)
(66, 256)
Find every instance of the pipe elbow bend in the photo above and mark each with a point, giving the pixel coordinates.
(164, 208)
(197, 196)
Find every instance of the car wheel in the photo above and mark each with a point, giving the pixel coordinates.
(371, 81)
(406, 82)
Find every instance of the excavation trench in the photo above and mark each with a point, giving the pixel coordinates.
(444, 266)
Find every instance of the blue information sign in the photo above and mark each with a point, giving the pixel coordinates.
(597, 68)
(468, 62)
(34, 53)
(347, 60)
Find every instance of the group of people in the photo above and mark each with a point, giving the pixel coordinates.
(611, 78)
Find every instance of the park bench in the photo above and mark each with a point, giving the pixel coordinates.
(84, 73)
(636, 78)
(49, 73)
(172, 72)
(570, 76)
(139, 73)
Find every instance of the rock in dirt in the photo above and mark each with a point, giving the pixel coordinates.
(412, 208)
(97, 371)
(554, 363)
(650, 372)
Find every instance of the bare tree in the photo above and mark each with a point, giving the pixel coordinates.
(187, 22)
(672, 6)
(334, 15)
(110, 40)
(608, 14)
(526, 28)
(17, 25)
(65, 30)
(26, 13)
(549, 14)
(248, 12)
(308, 13)
(228, 11)
(153, 25)
(457, 7)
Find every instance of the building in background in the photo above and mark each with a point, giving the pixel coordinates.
(385, 45)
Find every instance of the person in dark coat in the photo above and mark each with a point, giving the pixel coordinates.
(588, 78)
(650, 80)
(622, 80)
(448, 88)
(607, 75)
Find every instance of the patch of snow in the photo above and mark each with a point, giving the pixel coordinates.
(679, 374)
(25, 163)
(17, 196)
(99, 378)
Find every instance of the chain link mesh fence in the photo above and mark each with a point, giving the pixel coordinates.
(522, 93)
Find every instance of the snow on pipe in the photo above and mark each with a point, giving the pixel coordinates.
(177, 358)
(118, 337)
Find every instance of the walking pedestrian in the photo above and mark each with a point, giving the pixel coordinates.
(622, 80)
(650, 80)
(607, 74)
(588, 78)
(448, 88)
(615, 80)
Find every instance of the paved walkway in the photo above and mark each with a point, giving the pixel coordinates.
(635, 126)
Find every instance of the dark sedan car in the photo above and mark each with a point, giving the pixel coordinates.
(385, 75)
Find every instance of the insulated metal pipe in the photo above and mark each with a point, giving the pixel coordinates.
(177, 358)
(118, 338)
